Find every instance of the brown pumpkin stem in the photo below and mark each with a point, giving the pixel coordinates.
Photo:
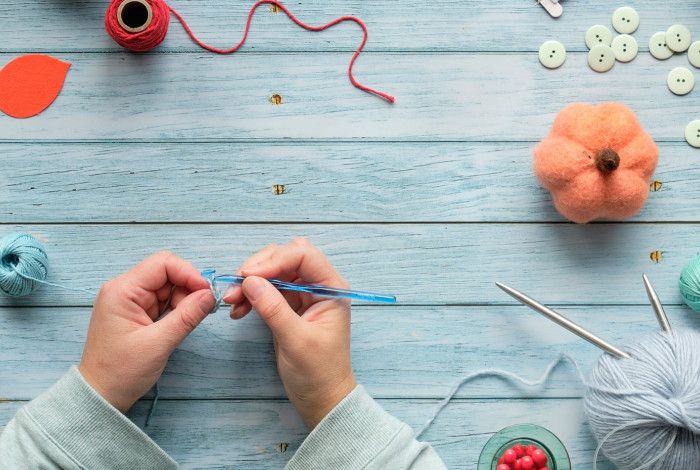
(607, 161)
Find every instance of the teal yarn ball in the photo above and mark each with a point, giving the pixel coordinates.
(689, 283)
(645, 411)
(23, 264)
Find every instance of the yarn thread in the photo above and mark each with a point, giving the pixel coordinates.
(505, 375)
(156, 388)
(155, 33)
(689, 283)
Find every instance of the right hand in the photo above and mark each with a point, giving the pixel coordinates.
(311, 335)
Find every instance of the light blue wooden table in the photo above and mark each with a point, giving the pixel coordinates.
(432, 198)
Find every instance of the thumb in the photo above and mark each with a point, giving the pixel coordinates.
(271, 306)
(181, 321)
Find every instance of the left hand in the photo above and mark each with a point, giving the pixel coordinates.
(126, 349)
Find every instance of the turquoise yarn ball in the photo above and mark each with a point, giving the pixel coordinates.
(23, 262)
(647, 408)
(690, 283)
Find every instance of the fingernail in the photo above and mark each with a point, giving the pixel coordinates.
(230, 292)
(254, 287)
(207, 301)
(236, 312)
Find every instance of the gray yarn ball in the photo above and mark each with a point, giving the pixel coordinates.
(645, 411)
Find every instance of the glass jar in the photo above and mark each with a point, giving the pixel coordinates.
(525, 434)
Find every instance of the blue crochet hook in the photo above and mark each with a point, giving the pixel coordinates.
(221, 283)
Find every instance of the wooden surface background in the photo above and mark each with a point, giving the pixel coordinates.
(432, 198)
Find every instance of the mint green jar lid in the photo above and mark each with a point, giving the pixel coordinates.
(525, 434)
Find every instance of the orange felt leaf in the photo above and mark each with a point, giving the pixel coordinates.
(30, 83)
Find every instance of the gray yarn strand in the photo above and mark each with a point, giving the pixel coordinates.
(504, 375)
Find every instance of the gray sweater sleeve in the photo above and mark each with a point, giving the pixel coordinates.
(359, 434)
(71, 426)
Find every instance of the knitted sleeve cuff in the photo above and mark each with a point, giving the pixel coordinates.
(90, 431)
(349, 437)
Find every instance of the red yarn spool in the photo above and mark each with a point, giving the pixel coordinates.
(141, 25)
(137, 25)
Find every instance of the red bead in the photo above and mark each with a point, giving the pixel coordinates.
(503, 467)
(509, 456)
(526, 463)
(530, 449)
(543, 468)
(519, 450)
(517, 465)
(539, 457)
(501, 460)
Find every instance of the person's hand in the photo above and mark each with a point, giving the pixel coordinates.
(311, 335)
(126, 349)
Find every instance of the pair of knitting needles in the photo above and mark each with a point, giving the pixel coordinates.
(582, 332)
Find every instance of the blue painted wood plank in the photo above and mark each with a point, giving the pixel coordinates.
(459, 97)
(420, 263)
(247, 434)
(366, 182)
(406, 25)
(424, 352)
(196, 97)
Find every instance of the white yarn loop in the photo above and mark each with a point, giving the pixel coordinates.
(47, 283)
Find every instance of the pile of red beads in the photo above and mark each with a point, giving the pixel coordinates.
(520, 457)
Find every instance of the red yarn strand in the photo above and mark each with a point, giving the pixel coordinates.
(307, 27)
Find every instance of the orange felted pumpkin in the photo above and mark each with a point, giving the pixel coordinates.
(597, 162)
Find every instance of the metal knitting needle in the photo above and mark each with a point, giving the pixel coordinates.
(656, 305)
(563, 321)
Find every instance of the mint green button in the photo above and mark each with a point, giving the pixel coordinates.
(552, 54)
(678, 38)
(598, 34)
(658, 47)
(680, 81)
(625, 20)
(624, 47)
(601, 58)
(694, 54)
(692, 133)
